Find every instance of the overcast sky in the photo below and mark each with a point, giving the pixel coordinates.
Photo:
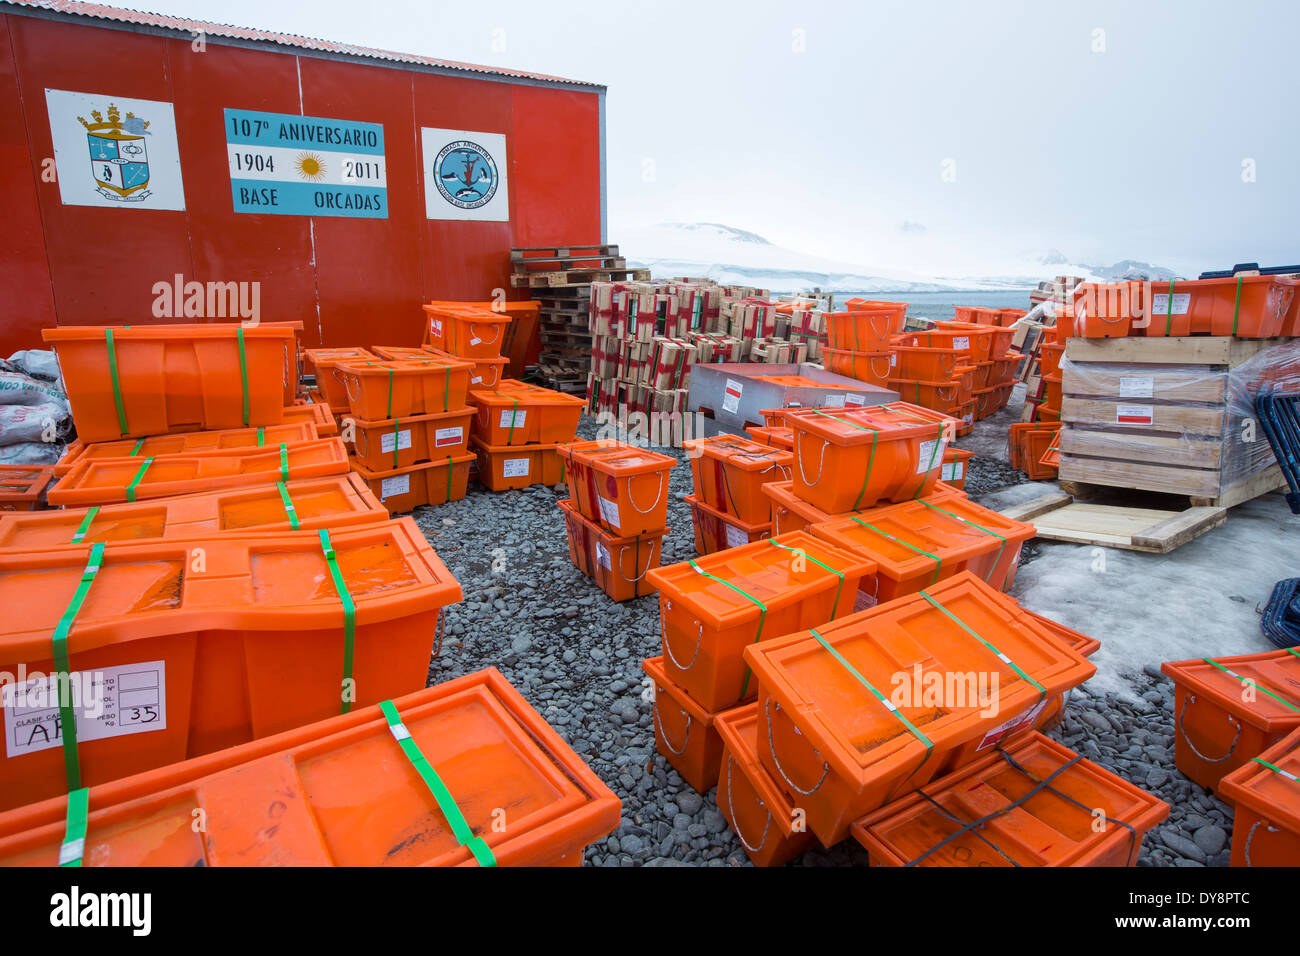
(939, 136)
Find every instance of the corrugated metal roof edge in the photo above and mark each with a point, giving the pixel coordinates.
(122, 18)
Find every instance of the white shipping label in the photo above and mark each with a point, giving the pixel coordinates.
(1160, 304)
(448, 436)
(1134, 414)
(961, 342)
(1009, 727)
(403, 440)
(608, 510)
(602, 555)
(731, 397)
(1135, 386)
(110, 702)
(893, 359)
(863, 601)
(396, 485)
(475, 340)
(854, 399)
(834, 401)
(513, 418)
(735, 536)
(952, 471)
(515, 468)
(929, 456)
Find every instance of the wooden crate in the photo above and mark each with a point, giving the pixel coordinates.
(1167, 415)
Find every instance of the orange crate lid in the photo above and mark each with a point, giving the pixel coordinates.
(707, 509)
(392, 353)
(915, 536)
(861, 737)
(624, 462)
(1021, 825)
(23, 482)
(740, 452)
(188, 443)
(342, 792)
(1275, 674)
(763, 569)
(511, 392)
(1273, 792)
(325, 358)
(860, 426)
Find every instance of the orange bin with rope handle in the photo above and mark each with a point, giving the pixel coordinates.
(729, 473)
(517, 413)
(862, 330)
(944, 397)
(333, 502)
(467, 332)
(399, 442)
(484, 373)
(620, 565)
(571, 465)
(324, 363)
(718, 531)
(684, 731)
(419, 780)
(626, 488)
(918, 543)
(131, 381)
(792, 513)
(186, 443)
(851, 459)
(1216, 728)
(712, 607)
(762, 817)
(21, 486)
(1265, 794)
(436, 482)
(774, 437)
(400, 388)
(874, 368)
(845, 725)
(1032, 803)
(927, 363)
(203, 643)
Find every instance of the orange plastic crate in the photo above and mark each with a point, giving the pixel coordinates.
(776, 437)
(333, 502)
(792, 513)
(1216, 730)
(927, 364)
(399, 442)
(619, 565)
(729, 473)
(861, 456)
(506, 467)
(874, 368)
(621, 487)
(402, 388)
(215, 641)
(684, 732)
(324, 363)
(956, 463)
(112, 480)
(715, 531)
(21, 486)
(1265, 794)
(1034, 803)
(467, 332)
(342, 792)
(397, 353)
(402, 490)
(315, 413)
(862, 330)
(131, 381)
(918, 543)
(761, 816)
(711, 608)
(484, 373)
(839, 746)
(517, 413)
(943, 397)
(187, 443)
(571, 468)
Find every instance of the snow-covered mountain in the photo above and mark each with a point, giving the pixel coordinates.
(738, 257)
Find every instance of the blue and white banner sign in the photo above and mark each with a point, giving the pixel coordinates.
(290, 165)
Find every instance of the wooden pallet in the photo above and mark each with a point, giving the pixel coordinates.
(575, 277)
(568, 262)
(1115, 474)
(590, 251)
(1059, 517)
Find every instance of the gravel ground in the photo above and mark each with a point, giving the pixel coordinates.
(576, 656)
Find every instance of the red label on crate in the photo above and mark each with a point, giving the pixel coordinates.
(1017, 723)
(1135, 414)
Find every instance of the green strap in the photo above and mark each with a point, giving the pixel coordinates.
(390, 394)
(79, 535)
(349, 611)
(63, 673)
(73, 847)
(934, 450)
(117, 383)
(460, 828)
(762, 614)
(243, 370)
(1042, 691)
(513, 412)
(130, 489)
(1276, 769)
(889, 705)
(397, 434)
(289, 509)
(136, 450)
(1001, 547)
(871, 459)
(1169, 313)
(1236, 306)
(938, 562)
(284, 462)
(451, 464)
(261, 437)
(1255, 683)
(839, 574)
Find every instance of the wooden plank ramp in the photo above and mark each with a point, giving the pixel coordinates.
(1058, 517)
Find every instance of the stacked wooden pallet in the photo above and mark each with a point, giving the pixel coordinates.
(561, 277)
(1171, 415)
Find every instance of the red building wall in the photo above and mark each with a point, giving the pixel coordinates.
(349, 281)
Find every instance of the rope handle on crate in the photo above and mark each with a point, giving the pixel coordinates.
(349, 616)
(451, 811)
(731, 806)
(771, 747)
(663, 733)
